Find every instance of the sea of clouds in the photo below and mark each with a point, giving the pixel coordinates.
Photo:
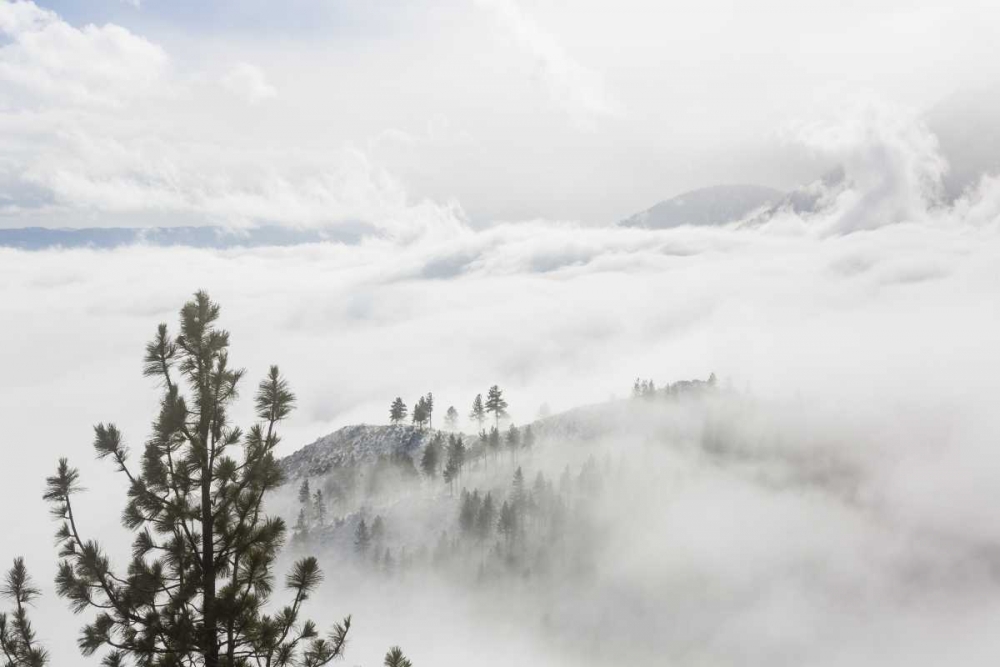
(875, 319)
(870, 325)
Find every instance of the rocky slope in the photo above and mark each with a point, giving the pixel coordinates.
(356, 444)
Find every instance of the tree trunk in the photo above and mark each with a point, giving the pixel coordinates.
(209, 639)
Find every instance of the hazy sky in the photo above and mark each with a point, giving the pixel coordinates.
(489, 140)
(116, 112)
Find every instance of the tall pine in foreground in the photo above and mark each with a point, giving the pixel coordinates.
(200, 573)
(18, 645)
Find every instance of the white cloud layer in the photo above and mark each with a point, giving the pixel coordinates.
(889, 333)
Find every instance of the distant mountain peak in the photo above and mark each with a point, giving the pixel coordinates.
(715, 205)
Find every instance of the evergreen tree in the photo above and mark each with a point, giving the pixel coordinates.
(420, 412)
(450, 474)
(319, 508)
(478, 413)
(496, 404)
(362, 539)
(456, 459)
(200, 575)
(650, 389)
(395, 658)
(18, 645)
(457, 451)
(397, 411)
(506, 525)
(429, 409)
(494, 441)
(485, 518)
(431, 458)
(304, 494)
(529, 437)
(538, 489)
(637, 388)
(451, 418)
(467, 512)
(300, 533)
(519, 495)
(513, 441)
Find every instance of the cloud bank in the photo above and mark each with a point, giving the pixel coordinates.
(887, 333)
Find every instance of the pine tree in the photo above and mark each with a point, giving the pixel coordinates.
(485, 518)
(200, 575)
(650, 389)
(397, 411)
(496, 404)
(494, 441)
(319, 508)
(18, 645)
(467, 513)
(429, 409)
(300, 533)
(538, 490)
(395, 658)
(451, 418)
(450, 474)
(431, 458)
(637, 388)
(513, 441)
(304, 493)
(528, 437)
(478, 413)
(519, 495)
(457, 451)
(420, 412)
(506, 525)
(362, 538)
(456, 459)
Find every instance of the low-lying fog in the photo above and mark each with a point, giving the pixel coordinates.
(848, 517)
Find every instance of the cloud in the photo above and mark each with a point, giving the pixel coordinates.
(872, 353)
(892, 166)
(49, 61)
(249, 82)
(96, 132)
(579, 90)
